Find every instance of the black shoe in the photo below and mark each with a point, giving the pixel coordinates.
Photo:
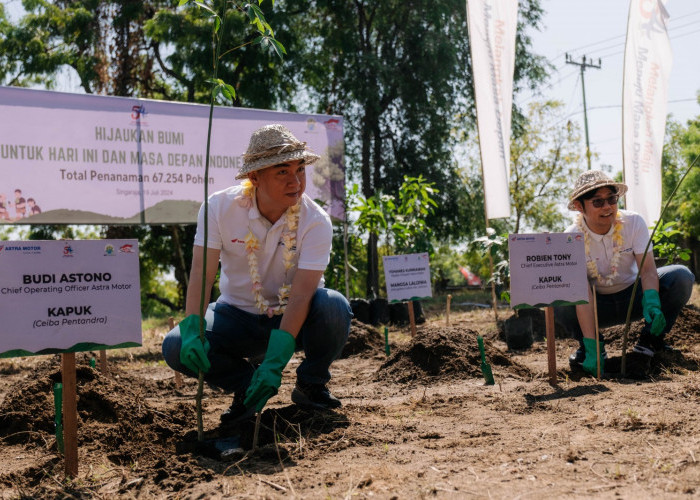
(658, 344)
(576, 359)
(314, 397)
(237, 412)
(644, 345)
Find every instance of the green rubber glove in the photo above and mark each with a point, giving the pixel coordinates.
(651, 306)
(589, 364)
(267, 378)
(193, 352)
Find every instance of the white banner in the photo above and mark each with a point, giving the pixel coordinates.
(644, 99)
(86, 159)
(492, 27)
(68, 296)
(547, 270)
(407, 277)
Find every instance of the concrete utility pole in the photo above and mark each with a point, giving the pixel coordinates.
(583, 65)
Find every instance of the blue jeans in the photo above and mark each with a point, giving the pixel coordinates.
(238, 341)
(675, 288)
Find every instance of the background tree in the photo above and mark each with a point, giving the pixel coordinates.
(148, 49)
(398, 71)
(180, 42)
(681, 149)
(545, 159)
(102, 41)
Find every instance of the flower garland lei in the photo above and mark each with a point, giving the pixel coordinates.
(617, 247)
(252, 245)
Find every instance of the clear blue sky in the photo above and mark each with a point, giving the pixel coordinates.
(596, 29)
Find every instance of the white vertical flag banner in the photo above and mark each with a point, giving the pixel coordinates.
(492, 27)
(644, 101)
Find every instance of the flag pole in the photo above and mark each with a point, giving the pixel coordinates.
(493, 281)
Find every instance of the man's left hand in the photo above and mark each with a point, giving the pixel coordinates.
(267, 378)
(651, 307)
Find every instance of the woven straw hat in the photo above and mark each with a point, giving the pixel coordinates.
(590, 181)
(271, 145)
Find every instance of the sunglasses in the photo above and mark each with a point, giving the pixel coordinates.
(600, 202)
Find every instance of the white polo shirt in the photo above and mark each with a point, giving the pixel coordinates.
(635, 235)
(229, 223)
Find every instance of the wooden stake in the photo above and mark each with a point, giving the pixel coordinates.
(597, 333)
(412, 318)
(178, 375)
(70, 414)
(447, 310)
(103, 362)
(551, 349)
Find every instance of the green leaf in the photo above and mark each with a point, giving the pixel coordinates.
(257, 12)
(250, 12)
(207, 8)
(278, 48)
(183, 2)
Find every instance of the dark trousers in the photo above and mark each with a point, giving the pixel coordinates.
(238, 341)
(675, 288)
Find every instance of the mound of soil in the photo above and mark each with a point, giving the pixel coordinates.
(363, 340)
(112, 414)
(446, 353)
(116, 421)
(684, 334)
(685, 331)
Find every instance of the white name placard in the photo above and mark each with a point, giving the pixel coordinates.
(407, 277)
(547, 269)
(68, 296)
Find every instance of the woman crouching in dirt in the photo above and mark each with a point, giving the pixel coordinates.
(274, 243)
(615, 241)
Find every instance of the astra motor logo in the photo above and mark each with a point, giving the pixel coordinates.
(68, 251)
(128, 248)
(21, 247)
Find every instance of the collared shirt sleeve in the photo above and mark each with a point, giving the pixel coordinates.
(640, 234)
(315, 241)
(213, 234)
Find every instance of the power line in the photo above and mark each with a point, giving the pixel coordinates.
(671, 38)
(671, 28)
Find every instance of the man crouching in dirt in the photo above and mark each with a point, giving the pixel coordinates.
(615, 241)
(274, 244)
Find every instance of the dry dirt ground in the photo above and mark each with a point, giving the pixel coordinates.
(419, 423)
